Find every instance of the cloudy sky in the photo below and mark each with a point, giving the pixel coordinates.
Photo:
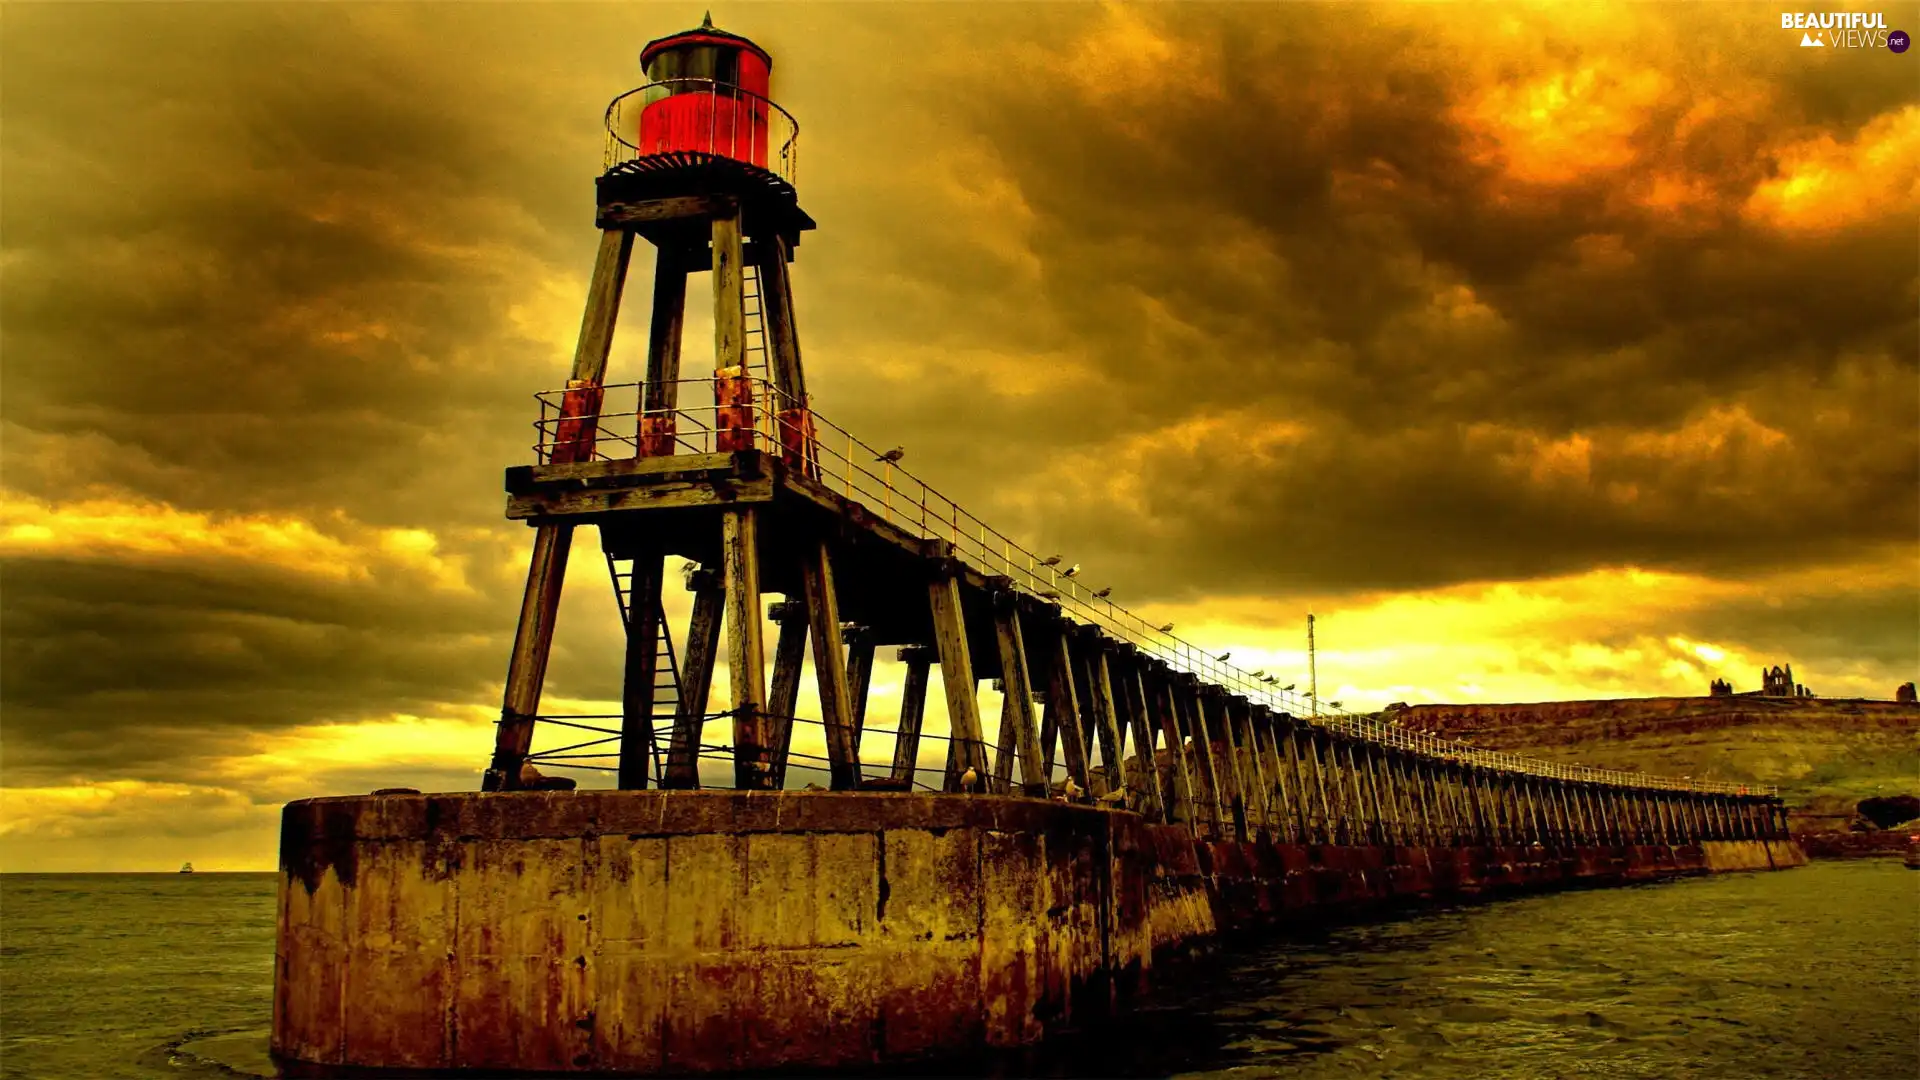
(1542, 353)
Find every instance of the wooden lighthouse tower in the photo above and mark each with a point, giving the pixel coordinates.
(701, 164)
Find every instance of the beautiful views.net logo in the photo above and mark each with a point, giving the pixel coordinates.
(1844, 30)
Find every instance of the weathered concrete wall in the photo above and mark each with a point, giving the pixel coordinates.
(700, 931)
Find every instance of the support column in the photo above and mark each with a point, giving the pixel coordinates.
(658, 426)
(696, 678)
(1167, 712)
(640, 671)
(1105, 712)
(1219, 709)
(913, 705)
(1133, 690)
(956, 671)
(1017, 684)
(746, 655)
(860, 649)
(547, 570)
(789, 652)
(1063, 708)
(830, 666)
(1187, 698)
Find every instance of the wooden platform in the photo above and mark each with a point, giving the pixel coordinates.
(684, 495)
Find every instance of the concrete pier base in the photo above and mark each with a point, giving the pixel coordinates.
(686, 931)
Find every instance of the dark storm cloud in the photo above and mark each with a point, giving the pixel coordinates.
(1306, 213)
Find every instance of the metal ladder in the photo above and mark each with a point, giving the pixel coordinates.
(666, 665)
(754, 318)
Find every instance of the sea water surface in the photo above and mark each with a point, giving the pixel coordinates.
(1811, 973)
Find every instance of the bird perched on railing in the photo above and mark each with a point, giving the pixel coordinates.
(1261, 675)
(1071, 570)
(893, 455)
(969, 779)
(1167, 629)
(1051, 560)
(1222, 658)
(1103, 593)
(1116, 797)
(1287, 687)
(1073, 791)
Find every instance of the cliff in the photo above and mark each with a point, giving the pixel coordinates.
(1825, 755)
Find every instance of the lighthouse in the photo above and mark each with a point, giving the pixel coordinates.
(700, 163)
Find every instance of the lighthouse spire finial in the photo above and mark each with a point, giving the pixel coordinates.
(706, 21)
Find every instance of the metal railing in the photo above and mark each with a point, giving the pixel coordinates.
(584, 423)
(703, 116)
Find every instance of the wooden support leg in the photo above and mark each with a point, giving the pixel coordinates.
(969, 751)
(1063, 708)
(1180, 804)
(641, 669)
(1256, 767)
(789, 651)
(533, 637)
(1213, 711)
(527, 669)
(696, 679)
(830, 667)
(1106, 718)
(746, 656)
(1139, 716)
(658, 422)
(913, 705)
(1209, 768)
(860, 649)
(1019, 722)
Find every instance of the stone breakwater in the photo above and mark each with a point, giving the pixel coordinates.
(681, 932)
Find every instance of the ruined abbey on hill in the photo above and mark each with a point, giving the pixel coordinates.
(1775, 681)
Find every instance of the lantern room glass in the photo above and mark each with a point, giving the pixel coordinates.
(719, 63)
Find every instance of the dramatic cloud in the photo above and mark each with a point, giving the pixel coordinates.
(1542, 351)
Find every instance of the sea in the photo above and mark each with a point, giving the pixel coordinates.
(1812, 973)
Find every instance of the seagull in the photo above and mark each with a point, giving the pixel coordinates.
(1071, 570)
(1287, 687)
(1103, 593)
(1167, 629)
(1259, 674)
(1222, 658)
(1073, 790)
(1269, 679)
(893, 455)
(1335, 704)
(1051, 560)
(969, 778)
(1117, 797)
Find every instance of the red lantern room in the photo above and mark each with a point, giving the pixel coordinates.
(706, 97)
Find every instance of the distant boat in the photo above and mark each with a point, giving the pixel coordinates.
(186, 868)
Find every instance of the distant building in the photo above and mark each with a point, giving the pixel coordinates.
(1777, 681)
(1906, 694)
(1720, 688)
